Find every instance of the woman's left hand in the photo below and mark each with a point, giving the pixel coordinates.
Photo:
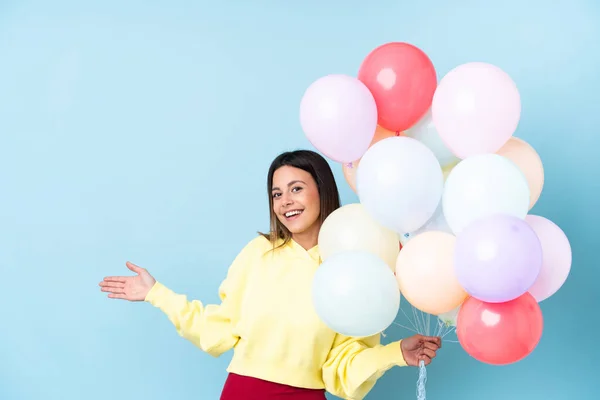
(419, 347)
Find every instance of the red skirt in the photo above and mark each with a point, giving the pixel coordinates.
(238, 387)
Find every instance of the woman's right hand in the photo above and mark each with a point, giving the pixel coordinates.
(132, 288)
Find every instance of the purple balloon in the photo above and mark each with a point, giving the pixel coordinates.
(497, 258)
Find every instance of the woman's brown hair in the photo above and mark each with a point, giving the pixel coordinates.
(317, 166)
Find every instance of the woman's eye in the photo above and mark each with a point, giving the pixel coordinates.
(296, 189)
(275, 195)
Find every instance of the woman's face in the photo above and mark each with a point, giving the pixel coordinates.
(296, 200)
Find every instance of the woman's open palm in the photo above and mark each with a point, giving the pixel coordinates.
(132, 288)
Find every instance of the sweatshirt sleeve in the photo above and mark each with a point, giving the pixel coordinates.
(210, 327)
(354, 365)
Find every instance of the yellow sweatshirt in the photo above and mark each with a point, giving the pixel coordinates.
(266, 315)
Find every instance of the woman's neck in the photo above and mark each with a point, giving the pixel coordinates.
(309, 238)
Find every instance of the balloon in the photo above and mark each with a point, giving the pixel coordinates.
(382, 133)
(350, 169)
(484, 185)
(424, 131)
(446, 170)
(476, 109)
(497, 258)
(425, 273)
(400, 183)
(557, 257)
(501, 333)
(339, 116)
(351, 228)
(449, 318)
(403, 80)
(529, 162)
(355, 293)
(436, 223)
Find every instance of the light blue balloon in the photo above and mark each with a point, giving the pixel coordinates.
(400, 183)
(355, 293)
(425, 132)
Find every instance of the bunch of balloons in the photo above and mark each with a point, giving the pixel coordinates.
(437, 167)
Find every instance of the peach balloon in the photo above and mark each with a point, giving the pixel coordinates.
(527, 159)
(349, 170)
(425, 273)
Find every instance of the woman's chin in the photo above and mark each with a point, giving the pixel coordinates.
(298, 225)
(296, 230)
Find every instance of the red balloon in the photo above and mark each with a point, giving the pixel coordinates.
(500, 333)
(402, 80)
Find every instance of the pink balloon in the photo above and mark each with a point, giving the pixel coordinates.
(476, 109)
(339, 116)
(557, 257)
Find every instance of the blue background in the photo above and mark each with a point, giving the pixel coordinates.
(142, 131)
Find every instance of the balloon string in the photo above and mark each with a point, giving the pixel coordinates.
(421, 381)
(421, 323)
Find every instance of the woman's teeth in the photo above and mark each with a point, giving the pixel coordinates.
(292, 213)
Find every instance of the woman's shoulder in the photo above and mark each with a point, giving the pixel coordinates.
(258, 245)
(260, 241)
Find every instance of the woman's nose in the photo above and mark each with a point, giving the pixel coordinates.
(287, 200)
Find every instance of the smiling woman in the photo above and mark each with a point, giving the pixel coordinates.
(272, 277)
(304, 193)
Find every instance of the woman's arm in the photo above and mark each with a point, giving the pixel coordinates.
(354, 365)
(211, 326)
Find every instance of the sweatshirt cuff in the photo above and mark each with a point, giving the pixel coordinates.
(157, 294)
(391, 355)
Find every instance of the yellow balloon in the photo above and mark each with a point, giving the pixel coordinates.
(351, 228)
(447, 169)
(425, 273)
(529, 162)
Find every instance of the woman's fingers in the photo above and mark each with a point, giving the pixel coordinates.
(433, 339)
(118, 296)
(428, 350)
(112, 284)
(426, 359)
(430, 346)
(429, 354)
(133, 267)
(113, 290)
(121, 279)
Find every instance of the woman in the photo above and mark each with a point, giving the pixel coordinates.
(281, 347)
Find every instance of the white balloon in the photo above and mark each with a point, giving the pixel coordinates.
(425, 132)
(400, 183)
(355, 293)
(484, 185)
(449, 318)
(436, 223)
